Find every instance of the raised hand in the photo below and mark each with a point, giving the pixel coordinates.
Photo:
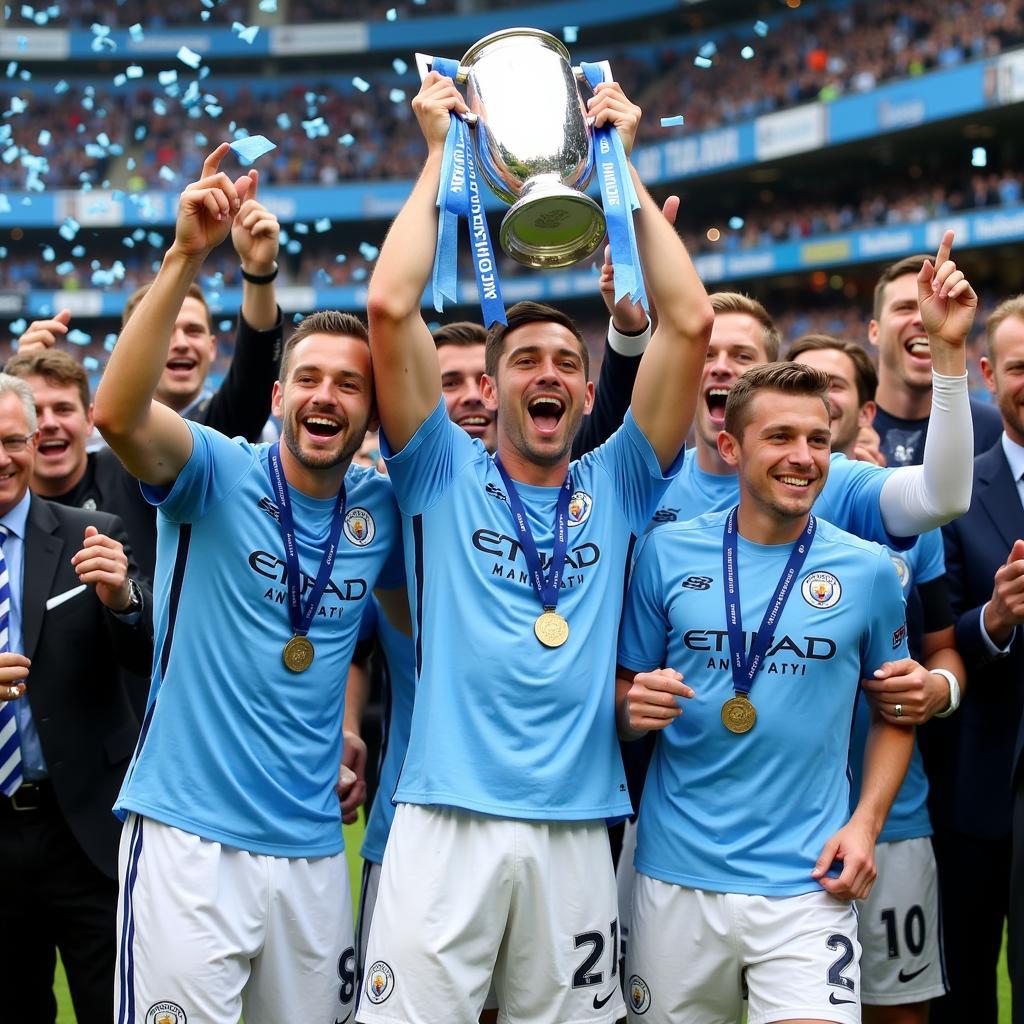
(255, 232)
(43, 334)
(609, 105)
(433, 104)
(103, 563)
(945, 297)
(206, 209)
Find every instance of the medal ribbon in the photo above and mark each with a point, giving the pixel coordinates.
(744, 669)
(302, 617)
(546, 589)
(458, 195)
(619, 199)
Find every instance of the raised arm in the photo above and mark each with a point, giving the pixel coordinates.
(665, 393)
(405, 367)
(919, 498)
(152, 440)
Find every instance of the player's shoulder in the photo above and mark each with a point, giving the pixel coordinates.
(366, 480)
(686, 531)
(852, 549)
(841, 466)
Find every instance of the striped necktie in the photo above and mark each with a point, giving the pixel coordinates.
(10, 749)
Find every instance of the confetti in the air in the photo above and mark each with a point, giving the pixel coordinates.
(247, 34)
(135, 31)
(78, 337)
(747, 53)
(702, 62)
(709, 49)
(252, 148)
(400, 66)
(392, 14)
(268, 6)
(91, 363)
(347, 139)
(397, 95)
(133, 71)
(189, 57)
(361, 84)
(368, 252)
(979, 157)
(570, 33)
(761, 28)
(69, 229)
(322, 225)
(736, 223)
(166, 173)
(673, 122)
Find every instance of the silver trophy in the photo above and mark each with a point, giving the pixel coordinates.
(533, 143)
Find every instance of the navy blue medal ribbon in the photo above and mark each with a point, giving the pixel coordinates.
(619, 200)
(301, 616)
(744, 667)
(458, 195)
(546, 588)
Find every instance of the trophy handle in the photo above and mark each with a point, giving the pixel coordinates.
(424, 65)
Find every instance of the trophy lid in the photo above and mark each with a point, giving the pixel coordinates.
(506, 34)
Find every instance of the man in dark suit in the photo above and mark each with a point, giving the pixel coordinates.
(970, 756)
(73, 615)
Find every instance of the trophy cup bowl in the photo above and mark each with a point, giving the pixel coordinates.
(534, 146)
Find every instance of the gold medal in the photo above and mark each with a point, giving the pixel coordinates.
(298, 654)
(551, 629)
(738, 714)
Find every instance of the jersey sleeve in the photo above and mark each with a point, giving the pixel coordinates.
(851, 500)
(424, 469)
(631, 464)
(643, 634)
(213, 470)
(930, 557)
(886, 636)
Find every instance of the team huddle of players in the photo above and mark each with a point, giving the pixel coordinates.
(534, 608)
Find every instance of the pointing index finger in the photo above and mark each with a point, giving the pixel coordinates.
(212, 163)
(945, 248)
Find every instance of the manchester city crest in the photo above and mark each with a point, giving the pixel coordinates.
(821, 589)
(165, 1012)
(902, 569)
(380, 982)
(638, 994)
(580, 505)
(359, 527)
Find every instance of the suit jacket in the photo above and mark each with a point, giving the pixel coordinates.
(80, 705)
(970, 755)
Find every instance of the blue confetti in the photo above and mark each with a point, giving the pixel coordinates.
(65, 268)
(347, 139)
(761, 28)
(189, 57)
(300, 229)
(294, 246)
(340, 258)
(128, 242)
(702, 62)
(166, 173)
(18, 326)
(397, 95)
(284, 122)
(78, 337)
(296, 319)
(361, 84)
(78, 252)
(133, 71)
(391, 14)
(268, 6)
(140, 132)
(48, 254)
(709, 49)
(109, 342)
(736, 223)
(156, 240)
(400, 66)
(747, 53)
(91, 363)
(12, 69)
(167, 77)
(135, 31)
(69, 229)
(323, 224)
(359, 274)
(120, 79)
(673, 122)
(201, 139)
(246, 34)
(570, 33)
(3, 252)
(139, 234)
(252, 148)
(159, 107)
(316, 128)
(225, 325)
(44, 138)
(368, 252)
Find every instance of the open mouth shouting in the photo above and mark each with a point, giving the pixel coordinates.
(52, 448)
(918, 349)
(321, 428)
(181, 367)
(715, 398)
(546, 411)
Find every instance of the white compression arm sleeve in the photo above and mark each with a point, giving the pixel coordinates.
(919, 498)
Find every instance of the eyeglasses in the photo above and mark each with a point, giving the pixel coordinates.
(15, 445)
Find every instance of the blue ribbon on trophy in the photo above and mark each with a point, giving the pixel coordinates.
(619, 199)
(458, 195)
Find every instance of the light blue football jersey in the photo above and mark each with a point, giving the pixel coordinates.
(503, 725)
(235, 747)
(848, 500)
(908, 818)
(750, 813)
(400, 656)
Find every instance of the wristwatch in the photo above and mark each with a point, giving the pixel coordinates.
(134, 599)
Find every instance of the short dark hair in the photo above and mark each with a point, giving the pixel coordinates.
(194, 292)
(1012, 307)
(327, 321)
(519, 315)
(907, 265)
(57, 367)
(865, 374)
(462, 332)
(737, 302)
(785, 378)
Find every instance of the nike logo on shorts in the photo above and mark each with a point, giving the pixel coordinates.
(599, 1003)
(904, 976)
(835, 1002)
(343, 1019)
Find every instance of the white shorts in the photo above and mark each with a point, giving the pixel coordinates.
(464, 897)
(207, 933)
(693, 953)
(899, 927)
(625, 879)
(367, 902)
